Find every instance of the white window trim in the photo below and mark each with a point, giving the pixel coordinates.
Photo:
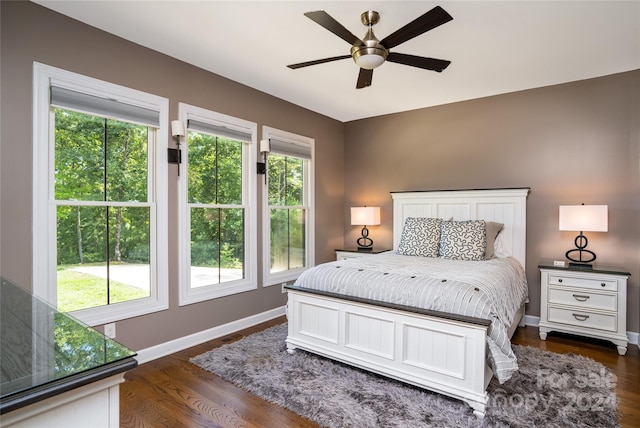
(292, 274)
(44, 210)
(188, 295)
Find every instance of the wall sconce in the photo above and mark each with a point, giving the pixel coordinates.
(365, 216)
(583, 218)
(265, 147)
(175, 155)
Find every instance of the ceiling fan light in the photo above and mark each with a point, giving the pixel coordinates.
(369, 62)
(369, 57)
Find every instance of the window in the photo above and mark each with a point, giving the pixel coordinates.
(99, 245)
(288, 220)
(217, 200)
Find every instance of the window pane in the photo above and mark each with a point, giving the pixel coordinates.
(86, 276)
(81, 233)
(215, 169)
(79, 156)
(297, 238)
(129, 253)
(287, 239)
(217, 245)
(294, 181)
(277, 182)
(126, 174)
(279, 240)
(285, 180)
(229, 172)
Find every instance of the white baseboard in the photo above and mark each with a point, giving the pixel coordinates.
(533, 321)
(163, 349)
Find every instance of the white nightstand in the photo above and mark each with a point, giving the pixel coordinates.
(351, 253)
(589, 303)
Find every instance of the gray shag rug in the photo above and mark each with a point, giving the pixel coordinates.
(549, 390)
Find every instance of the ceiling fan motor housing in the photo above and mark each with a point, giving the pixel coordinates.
(372, 54)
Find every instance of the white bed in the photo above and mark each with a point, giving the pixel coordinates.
(391, 339)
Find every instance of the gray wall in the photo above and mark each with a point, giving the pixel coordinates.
(571, 143)
(32, 33)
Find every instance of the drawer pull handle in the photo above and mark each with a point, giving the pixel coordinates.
(560, 280)
(580, 317)
(581, 298)
(603, 284)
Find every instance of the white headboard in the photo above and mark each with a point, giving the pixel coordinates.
(506, 206)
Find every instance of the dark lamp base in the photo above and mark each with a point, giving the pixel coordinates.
(584, 256)
(582, 266)
(364, 242)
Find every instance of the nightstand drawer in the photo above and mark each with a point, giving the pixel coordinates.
(583, 299)
(575, 281)
(344, 255)
(608, 322)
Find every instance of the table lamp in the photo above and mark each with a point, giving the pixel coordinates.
(365, 216)
(583, 218)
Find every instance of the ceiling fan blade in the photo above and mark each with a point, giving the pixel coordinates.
(322, 18)
(318, 61)
(430, 20)
(418, 61)
(364, 78)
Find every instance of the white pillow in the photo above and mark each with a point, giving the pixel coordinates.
(500, 247)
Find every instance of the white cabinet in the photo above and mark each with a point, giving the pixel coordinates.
(95, 405)
(589, 303)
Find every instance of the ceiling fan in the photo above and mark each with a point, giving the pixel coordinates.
(370, 52)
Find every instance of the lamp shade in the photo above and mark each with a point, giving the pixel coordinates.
(365, 216)
(584, 218)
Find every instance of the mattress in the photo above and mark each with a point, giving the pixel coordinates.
(491, 289)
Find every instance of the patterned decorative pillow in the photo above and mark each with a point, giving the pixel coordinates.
(420, 237)
(463, 240)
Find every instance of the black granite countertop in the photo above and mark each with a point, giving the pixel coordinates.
(44, 352)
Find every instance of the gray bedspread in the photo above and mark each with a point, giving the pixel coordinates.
(492, 289)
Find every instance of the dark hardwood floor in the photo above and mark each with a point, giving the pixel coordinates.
(171, 392)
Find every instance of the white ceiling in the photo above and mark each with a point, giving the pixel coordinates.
(494, 47)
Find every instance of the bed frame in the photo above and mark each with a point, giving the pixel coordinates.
(440, 352)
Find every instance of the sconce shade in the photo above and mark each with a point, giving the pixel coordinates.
(265, 147)
(365, 216)
(177, 128)
(584, 218)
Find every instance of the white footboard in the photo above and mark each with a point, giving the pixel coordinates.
(444, 355)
